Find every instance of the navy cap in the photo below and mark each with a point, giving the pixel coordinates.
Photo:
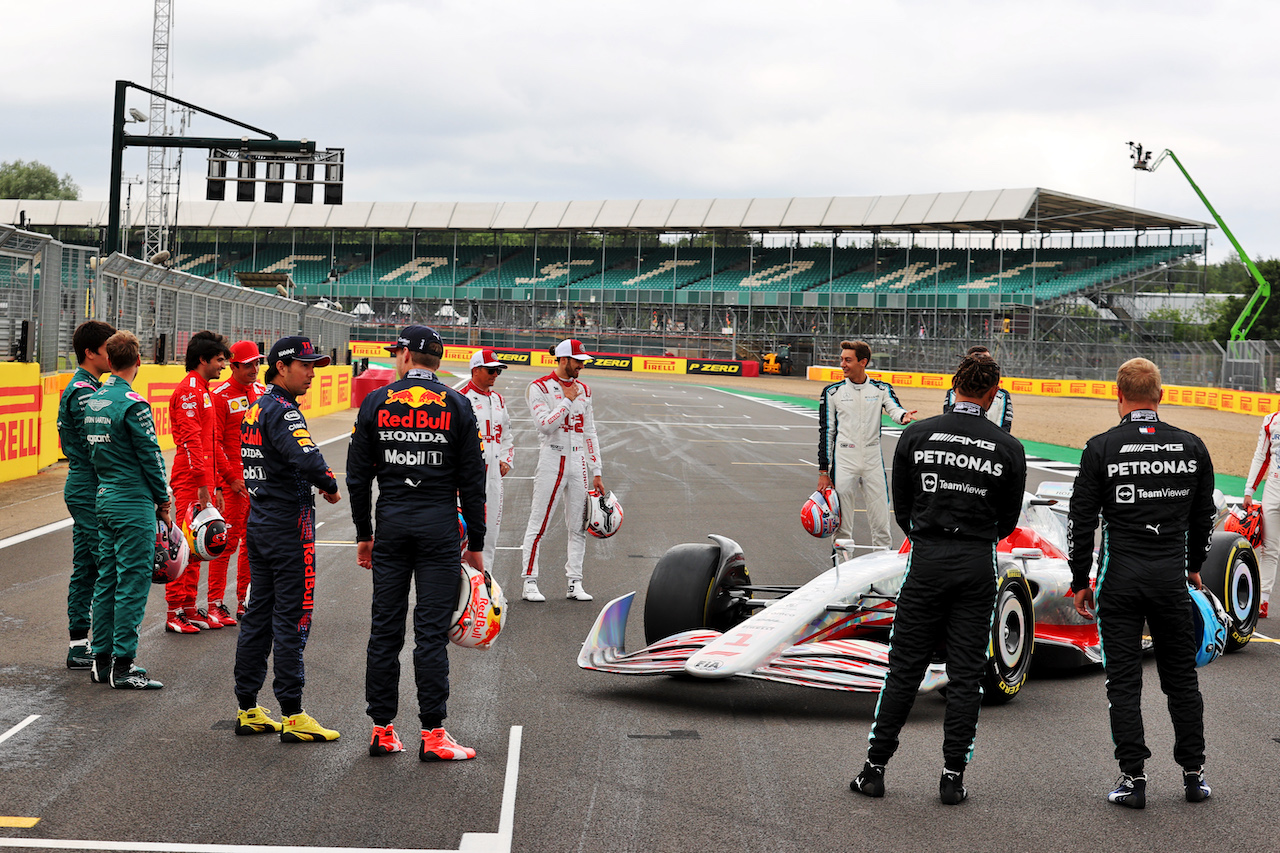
(419, 339)
(296, 348)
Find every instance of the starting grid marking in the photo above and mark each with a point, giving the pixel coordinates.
(472, 842)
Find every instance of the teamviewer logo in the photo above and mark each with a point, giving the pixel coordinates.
(929, 482)
(1124, 493)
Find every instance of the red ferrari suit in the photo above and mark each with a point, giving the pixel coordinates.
(230, 401)
(194, 465)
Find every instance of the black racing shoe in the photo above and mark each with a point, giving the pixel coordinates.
(870, 781)
(79, 656)
(1130, 791)
(951, 788)
(126, 676)
(1197, 789)
(100, 670)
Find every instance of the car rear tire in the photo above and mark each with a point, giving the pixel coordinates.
(688, 589)
(1230, 572)
(1013, 630)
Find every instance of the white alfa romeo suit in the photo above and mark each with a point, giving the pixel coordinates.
(849, 451)
(568, 460)
(499, 446)
(1264, 465)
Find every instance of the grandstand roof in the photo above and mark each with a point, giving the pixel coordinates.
(1028, 209)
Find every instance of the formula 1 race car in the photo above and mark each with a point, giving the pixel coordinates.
(705, 617)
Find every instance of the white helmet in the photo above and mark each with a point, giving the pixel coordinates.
(603, 514)
(206, 531)
(171, 553)
(477, 621)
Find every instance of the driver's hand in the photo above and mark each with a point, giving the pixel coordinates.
(1084, 602)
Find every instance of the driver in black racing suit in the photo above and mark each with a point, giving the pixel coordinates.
(1153, 484)
(957, 489)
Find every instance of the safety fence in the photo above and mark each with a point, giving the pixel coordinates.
(46, 289)
(600, 361)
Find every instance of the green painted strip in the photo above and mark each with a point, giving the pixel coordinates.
(1230, 485)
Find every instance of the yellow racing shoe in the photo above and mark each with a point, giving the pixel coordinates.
(303, 728)
(256, 721)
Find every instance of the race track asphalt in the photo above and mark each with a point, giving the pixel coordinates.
(606, 763)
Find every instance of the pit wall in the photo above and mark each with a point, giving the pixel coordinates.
(1222, 400)
(602, 361)
(29, 409)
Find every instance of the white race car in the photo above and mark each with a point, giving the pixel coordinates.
(705, 617)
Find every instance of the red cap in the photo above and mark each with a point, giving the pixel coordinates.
(572, 347)
(244, 351)
(485, 358)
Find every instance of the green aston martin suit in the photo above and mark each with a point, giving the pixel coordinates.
(79, 495)
(131, 483)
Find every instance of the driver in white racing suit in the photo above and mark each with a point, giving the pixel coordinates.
(568, 465)
(849, 442)
(495, 430)
(1264, 465)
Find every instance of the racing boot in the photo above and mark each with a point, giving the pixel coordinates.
(1131, 791)
(178, 623)
(385, 741)
(951, 788)
(79, 656)
(303, 728)
(223, 614)
(203, 619)
(100, 672)
(576, 592)
(531, 592)
(126, 676)
(256, 721)
(437, 745)
(870, 781)
(1197, 789)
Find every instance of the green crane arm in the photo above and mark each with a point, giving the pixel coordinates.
(1253, 308)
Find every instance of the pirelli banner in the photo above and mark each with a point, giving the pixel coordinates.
(1223, 400)
(617, 361)
(21, 403)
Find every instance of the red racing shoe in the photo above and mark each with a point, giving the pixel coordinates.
(437, 745)
(178, 623)
(222, 613)
(385, 741)
(203, 619)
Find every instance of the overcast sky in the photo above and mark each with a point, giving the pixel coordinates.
(559, 99)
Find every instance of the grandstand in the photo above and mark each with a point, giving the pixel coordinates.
(724, 276)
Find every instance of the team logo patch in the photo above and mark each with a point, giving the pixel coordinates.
(929, 482)
(416, 396)
(1147, 430)
(1124, 493)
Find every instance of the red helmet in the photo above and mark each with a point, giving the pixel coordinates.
(820, 515)
(1247, 523)
(171, 553)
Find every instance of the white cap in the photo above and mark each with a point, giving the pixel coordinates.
(485, 358)
(572, 348)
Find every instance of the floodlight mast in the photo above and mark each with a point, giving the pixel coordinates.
(1253, 308)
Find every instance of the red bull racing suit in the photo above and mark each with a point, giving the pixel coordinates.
(231, 400)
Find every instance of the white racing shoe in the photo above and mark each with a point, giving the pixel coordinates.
(577, 593)
(531, 592)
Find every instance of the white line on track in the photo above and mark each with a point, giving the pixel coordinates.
(472, 842)
(19, 727)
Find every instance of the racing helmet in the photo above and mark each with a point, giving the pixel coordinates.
(1247, 523)
(820, 514)
(1210, 622)
(603, 514)
(462, 531)
(477, 620)
(206, 531)
(171, 553)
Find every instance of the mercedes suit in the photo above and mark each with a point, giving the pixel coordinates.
(958, 481)
(1153, 485)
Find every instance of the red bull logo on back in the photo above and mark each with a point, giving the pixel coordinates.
(416, 396)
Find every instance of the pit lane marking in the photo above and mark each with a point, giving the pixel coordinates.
(472, 842)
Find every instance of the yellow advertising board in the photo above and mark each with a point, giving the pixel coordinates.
(659, 364)
(21, 392)
(1223, 400)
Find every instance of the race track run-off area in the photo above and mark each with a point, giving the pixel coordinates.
(571, 760)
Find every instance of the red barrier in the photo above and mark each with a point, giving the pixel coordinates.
(369, 381)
